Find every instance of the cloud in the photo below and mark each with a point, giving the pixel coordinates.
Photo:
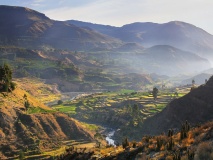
(119, 12)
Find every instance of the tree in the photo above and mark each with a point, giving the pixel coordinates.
(60, 102)
(6, 78)
(193, 82)
(26, 103)
(155, 93)
(125, 143)
(176, 94)
(184, 130)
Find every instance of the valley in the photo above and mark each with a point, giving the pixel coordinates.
(126, 108)
(84, 91)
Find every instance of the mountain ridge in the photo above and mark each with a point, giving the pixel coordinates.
(32, 29)
(178, 34)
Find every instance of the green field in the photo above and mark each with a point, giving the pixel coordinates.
(113, 108)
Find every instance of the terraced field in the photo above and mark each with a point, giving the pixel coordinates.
(112, 106)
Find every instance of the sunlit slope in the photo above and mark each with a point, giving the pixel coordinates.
(37, 128)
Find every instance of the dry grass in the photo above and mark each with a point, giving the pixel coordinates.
(38, 88)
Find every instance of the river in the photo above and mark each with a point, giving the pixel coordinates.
(109, 138)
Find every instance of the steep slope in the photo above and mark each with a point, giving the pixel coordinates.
(178, 34)
(197, 145)
(36, 130)
(195, 107)
(28, 28)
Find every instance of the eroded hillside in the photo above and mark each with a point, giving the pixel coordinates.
(34, 129)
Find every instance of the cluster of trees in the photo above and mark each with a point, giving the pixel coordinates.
(6, 83)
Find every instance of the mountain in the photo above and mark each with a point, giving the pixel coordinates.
(160, 59)
(178, 34)
(167, 60)
(199, 79)
(105, 29)
(28, 28)
(195, 107)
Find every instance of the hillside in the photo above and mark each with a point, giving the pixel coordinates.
(195, 107)
(32, 29)
(36, 129)
(197, 145)
(177, 34)
(105, 29)
(177, 61)
(72, 71)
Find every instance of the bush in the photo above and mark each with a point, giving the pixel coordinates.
(134, 144)
(60, 102)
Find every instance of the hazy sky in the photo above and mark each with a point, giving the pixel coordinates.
(120, 12)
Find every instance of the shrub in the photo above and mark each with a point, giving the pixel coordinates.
(134, 144)
(204, 151)
(12, 85)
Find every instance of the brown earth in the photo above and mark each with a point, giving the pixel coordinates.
(36, 132)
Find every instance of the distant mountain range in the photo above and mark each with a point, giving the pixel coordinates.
(167, 49)
(168, 60)
(160, 59)
(178, 34)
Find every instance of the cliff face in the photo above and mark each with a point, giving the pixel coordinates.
(195, 107)
(36, 132)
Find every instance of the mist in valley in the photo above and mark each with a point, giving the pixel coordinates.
(71, 89)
